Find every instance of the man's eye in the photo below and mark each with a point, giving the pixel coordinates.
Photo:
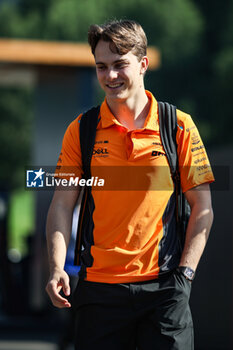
(100, 67)
(120, 65)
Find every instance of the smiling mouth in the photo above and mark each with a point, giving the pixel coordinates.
(114, 86)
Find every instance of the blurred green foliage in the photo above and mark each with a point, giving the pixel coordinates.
(15, 135)
(21, 220)
(194, 37)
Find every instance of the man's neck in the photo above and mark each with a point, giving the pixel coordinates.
(132, 112)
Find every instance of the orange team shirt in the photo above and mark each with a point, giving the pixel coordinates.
(134, 235)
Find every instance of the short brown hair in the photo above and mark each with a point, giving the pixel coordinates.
(126, 35)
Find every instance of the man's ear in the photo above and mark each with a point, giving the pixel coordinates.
(144, 64)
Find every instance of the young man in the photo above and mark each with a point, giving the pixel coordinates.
(135, 283)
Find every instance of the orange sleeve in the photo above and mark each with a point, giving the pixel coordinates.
(194, 164)
(70, 159)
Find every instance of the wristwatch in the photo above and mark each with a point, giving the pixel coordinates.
(187, 272)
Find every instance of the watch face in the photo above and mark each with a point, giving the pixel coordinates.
(189, 273)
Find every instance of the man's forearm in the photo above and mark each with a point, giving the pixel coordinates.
(58, 230)
(198, 229)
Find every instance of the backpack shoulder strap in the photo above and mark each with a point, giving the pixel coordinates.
(168, 129)
(88, 125)
(87, 133)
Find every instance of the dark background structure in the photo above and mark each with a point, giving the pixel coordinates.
(37, 102)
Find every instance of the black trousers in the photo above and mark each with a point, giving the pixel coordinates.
(143, 315)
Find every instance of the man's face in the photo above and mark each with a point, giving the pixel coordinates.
(120, 76)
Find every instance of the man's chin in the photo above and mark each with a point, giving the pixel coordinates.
(121, 95)
(117, 98)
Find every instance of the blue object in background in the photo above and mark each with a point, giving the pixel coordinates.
(70, 268)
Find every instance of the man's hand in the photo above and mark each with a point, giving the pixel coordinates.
(58, 281)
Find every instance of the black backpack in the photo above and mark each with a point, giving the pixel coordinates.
(168, 129)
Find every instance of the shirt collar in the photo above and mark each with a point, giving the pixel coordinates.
(151, 122)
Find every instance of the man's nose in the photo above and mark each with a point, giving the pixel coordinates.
(112, 74)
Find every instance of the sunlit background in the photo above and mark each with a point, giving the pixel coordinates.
(43, 88)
